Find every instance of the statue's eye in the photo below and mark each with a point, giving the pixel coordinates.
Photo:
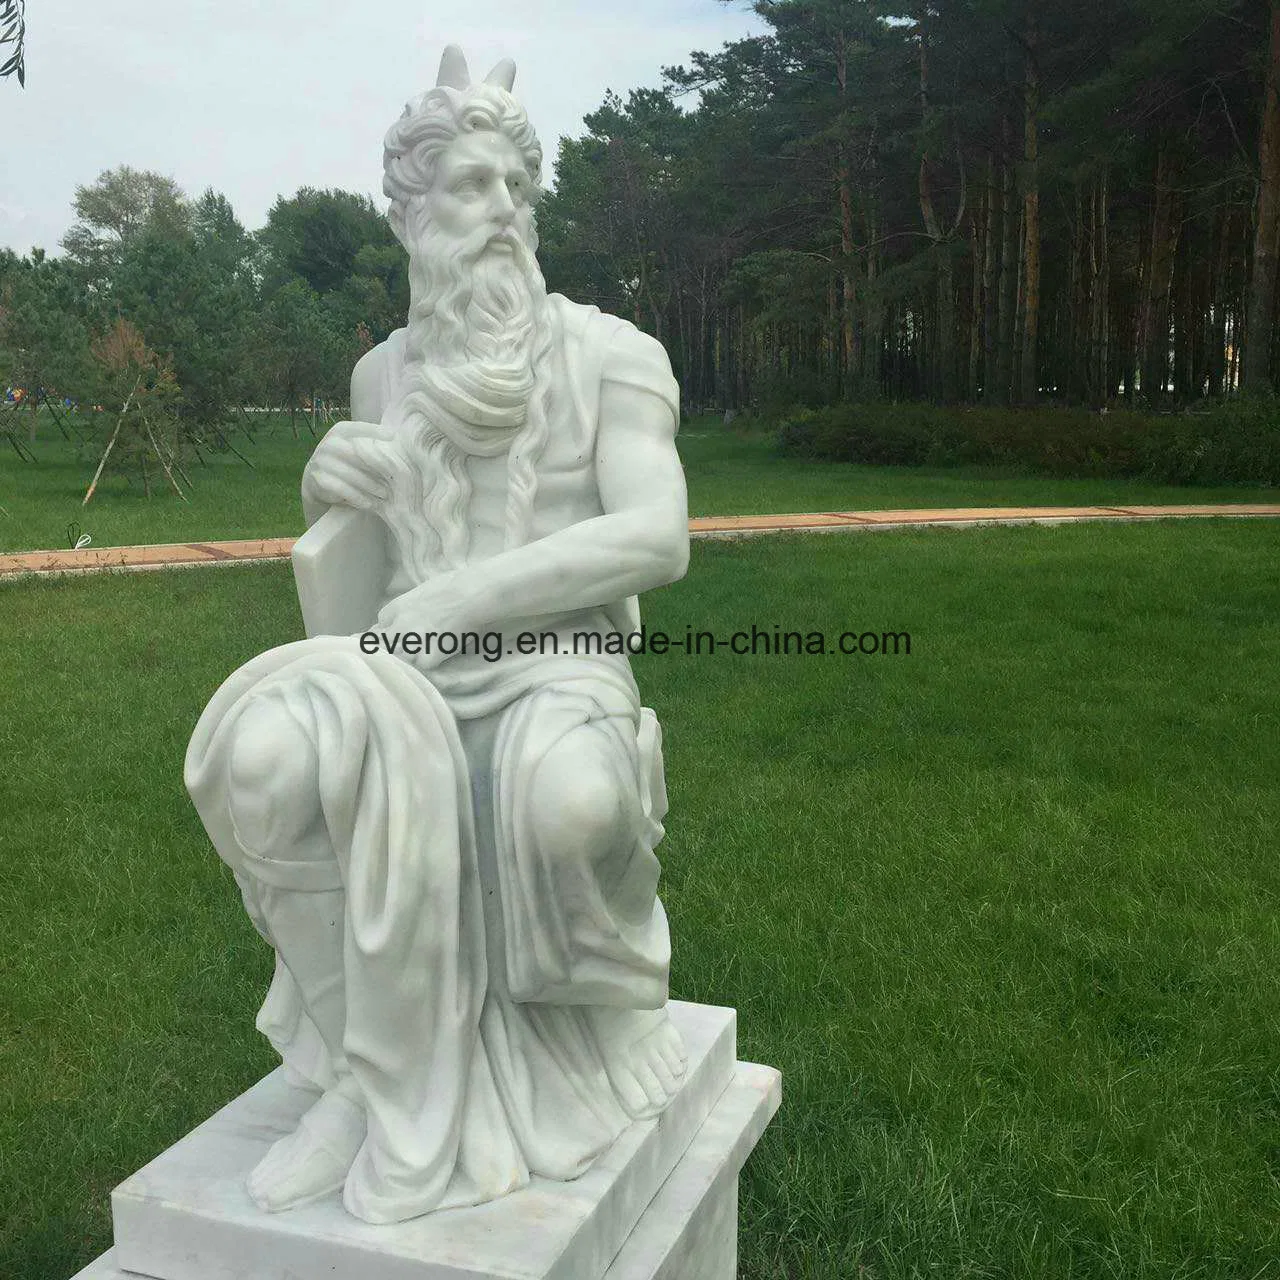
(466, 187)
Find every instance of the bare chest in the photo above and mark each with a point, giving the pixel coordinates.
(516, 496)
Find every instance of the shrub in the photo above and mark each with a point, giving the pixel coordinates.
(1234, 442)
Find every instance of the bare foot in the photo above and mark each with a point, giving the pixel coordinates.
(643, 1056)
(314, 1159)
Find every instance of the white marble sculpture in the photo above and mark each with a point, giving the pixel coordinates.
(451, 846)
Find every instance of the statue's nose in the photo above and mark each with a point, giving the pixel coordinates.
(502, 205)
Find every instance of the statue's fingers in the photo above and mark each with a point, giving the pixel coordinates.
(371, 454)
(362, 431)
(365, 458)
(336, 489)
(362, 478)
(336, 471)
(350, 429)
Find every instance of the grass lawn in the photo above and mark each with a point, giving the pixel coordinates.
(729, 474)
(1004, 912)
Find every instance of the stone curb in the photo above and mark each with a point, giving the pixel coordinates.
(174, 555)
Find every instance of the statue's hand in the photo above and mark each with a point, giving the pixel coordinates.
(352, 466)
(436, 606)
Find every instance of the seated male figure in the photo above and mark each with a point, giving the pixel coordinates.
(452, 850)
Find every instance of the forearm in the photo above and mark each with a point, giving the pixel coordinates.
(592, 563)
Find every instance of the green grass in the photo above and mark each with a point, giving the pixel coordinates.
(729, 473)
(38, 500)
(1005, 912)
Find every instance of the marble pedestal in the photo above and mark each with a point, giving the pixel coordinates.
(662, 1202)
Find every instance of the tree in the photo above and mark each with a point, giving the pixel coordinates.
(13, 30)
(146, 427)
(317, 236)
(1266, 244)
(882, 196)
(44, 343)
(302, 347)
(189, 290)
(120, 205)
(342, 248)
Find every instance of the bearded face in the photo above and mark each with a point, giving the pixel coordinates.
(478, 296)
(477, 342)
(473, 318)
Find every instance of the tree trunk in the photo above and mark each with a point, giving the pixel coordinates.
(1256, 369)
(1153, 321)
(945, 349)
(873, 325)
(1102, 331)
(850, 357)
(978, 234)
(1009, 256)
(703, 384)
(1217, 357)
(1077, 304)
(1030, 382)
(1097, 379)
(990, 283)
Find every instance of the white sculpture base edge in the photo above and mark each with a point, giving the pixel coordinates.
(662, 1202)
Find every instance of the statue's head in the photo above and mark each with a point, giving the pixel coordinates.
(463, 161)
(463, 169)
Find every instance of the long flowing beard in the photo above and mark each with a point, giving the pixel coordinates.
(477, 382)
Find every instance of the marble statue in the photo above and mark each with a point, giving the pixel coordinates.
(450, 845)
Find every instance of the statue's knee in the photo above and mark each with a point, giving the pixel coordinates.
(273, 778)
(581, 811)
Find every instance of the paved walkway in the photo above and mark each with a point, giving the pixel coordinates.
(175, 554)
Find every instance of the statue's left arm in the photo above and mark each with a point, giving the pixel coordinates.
(640, 542)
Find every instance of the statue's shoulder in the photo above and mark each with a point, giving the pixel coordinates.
(601, 349)
(372, 377)
(579, 324)
(615, 343)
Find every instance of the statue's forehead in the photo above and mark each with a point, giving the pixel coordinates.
(483, 147)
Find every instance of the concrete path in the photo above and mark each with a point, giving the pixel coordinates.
(179, 554)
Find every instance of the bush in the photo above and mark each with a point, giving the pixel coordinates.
(1234, 442)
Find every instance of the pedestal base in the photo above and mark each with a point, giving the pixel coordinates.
(662, 1202)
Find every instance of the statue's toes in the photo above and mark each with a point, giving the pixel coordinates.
(673, 1051)
(269, 1176)
(313, 1160)
(650, 1081)
(317, 1174)
(632, 1094)
(259, 1182)
(667, 1079)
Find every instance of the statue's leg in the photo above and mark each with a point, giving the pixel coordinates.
(273, 787)
(586, 815)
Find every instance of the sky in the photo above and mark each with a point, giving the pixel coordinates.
(258, 99)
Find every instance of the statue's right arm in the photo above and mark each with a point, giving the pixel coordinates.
(342, 470)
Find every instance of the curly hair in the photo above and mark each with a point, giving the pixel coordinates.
(430, 122)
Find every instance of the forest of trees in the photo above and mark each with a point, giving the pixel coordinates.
(998, 201)
(275, 317)
(957, 200)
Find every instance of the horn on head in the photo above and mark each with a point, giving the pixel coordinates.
(454, 73)
(503, 75)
